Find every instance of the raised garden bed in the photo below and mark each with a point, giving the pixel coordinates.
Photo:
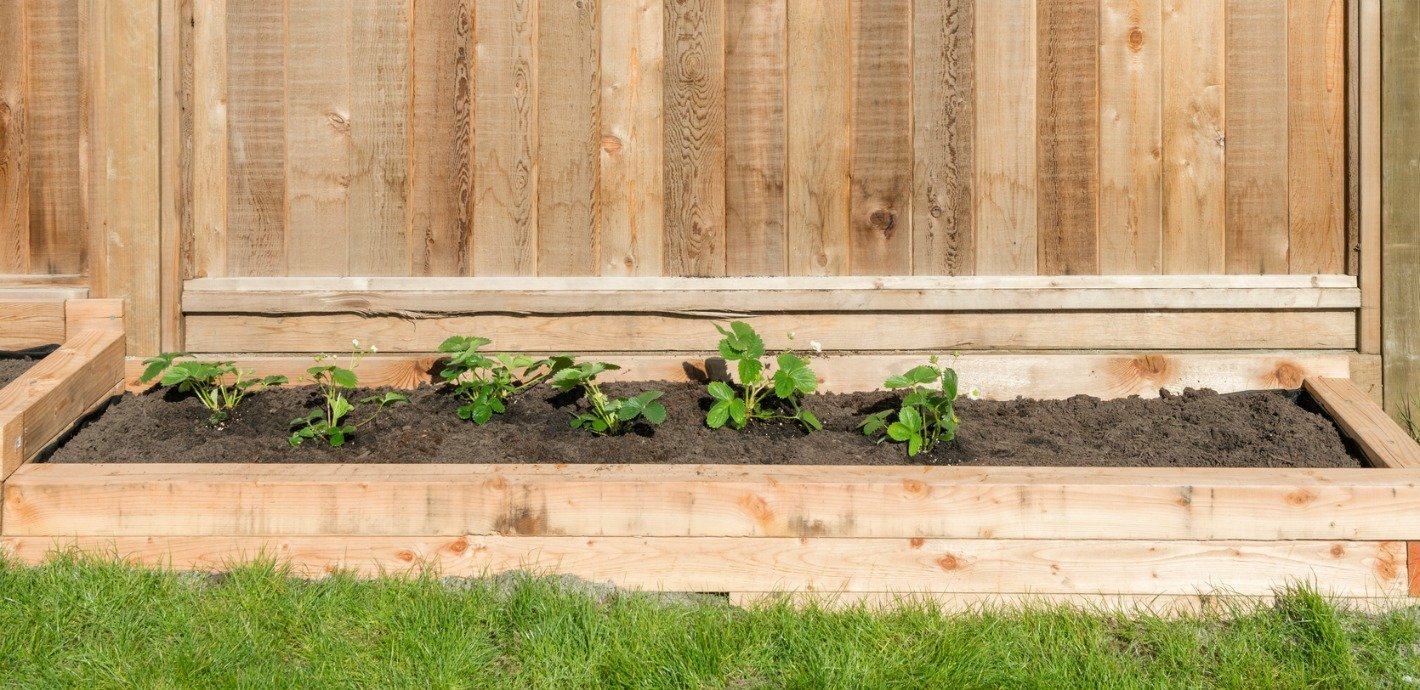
(1115, 535)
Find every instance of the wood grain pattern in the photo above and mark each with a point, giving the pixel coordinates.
(1005, 138)
(569, 137)
(1383, 442)
(505, 138)
(1369, 116)
(943, 147)
(717, 564)
(210, 135)
(56, 216)
(379, 138)
(818, 156)
(880, 235)
(318, 142)
(1400, 176)
(629, 499)
(1316, 81)
(441, 139)
(695, 138)
(1131, 140)
(256, 160)
(1256, 166)
(601, 332)
(133, 183)
(176, 91)
(14, 149)
(1067, 60)
(755, 138)
(632, 176)
(1194, 239)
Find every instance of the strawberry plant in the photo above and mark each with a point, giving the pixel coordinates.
(608, 416)
(330, 421)
(789, 383)
(219, 386)
(485, 382)
(927, 415)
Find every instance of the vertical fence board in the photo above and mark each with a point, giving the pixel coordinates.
(1256, 165)
(14, 155)
(569, 137)
(1400, 234)
(379, 139)
(441, 139)
(632, 189)
(943, 102)
(1005, 138)
(880, 211)
(1193, 136)
(255, 171)
(1067, 62)
(56, 217)
(1316, 80)
(210, 137)
(819, 104)
(695, 138)
(1131, 161)
(754, 137)
(505, 138)
(318, 137)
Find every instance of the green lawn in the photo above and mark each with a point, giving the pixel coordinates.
(87, 623)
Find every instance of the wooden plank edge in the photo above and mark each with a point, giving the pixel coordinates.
(1379, 437)
(750, 295)
(998, 375)
(1219, 603)
(1413, 567)
(42, 294)
(93, 314)
(713, 564)
(194, 499)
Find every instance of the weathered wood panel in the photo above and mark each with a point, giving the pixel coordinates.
(505, 140)
(1131, 138)
(818, 156)
(944, 143)
(880, 239)
(1256, 162)
(441, 139)
(14, 149)
(1316, 151)
(255, 165)
(318, 137)
(379, 138)
(633, 180)
(569, 137)
(1067, 60)
(755, 137)
(695, 137)
(1400, 232)
(1193, 136)
(56, 216)
(1005, 138)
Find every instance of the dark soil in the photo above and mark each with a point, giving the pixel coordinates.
(1195, 429)
(12, 364)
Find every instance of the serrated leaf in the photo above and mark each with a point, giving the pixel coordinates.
(783, 384)
(751, 372)
(910, 418)
(739, 412)
(344, 378)
(810, 419)
(654, 413)
(275, 380)
(789, 360)
(340, 407)
(897, 432)
(804, 379)
(717, 416)
(874, 423)
(481, 414)
(749, 341)
(337, 437)
(720, 390)
(949, 383)
(896, 382)
(914, 445)
(922, 374)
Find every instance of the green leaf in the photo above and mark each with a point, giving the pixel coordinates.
(340, 407)
(914, 445)
(276, 380)
(344, 378)
(896, 382)
(481, 414)
(789, 360)
(910, 418)
(949, 383)
(337, 437)
(811, 420)
(804, 379)
(874, 423)
(783, 384)
(749, 341)
(751, 372)
(654, 413)
(897, 432)
(392, 397)
(923, 374)
(720, 390)
(739, 412)
(717, 416)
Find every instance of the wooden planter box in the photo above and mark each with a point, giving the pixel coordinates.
(1160, 538)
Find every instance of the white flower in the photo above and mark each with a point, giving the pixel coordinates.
(791, 335)
(374, 349)
(816, 345)
(974, 393)
(355, 342)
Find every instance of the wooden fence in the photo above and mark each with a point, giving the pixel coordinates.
(148, 143)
